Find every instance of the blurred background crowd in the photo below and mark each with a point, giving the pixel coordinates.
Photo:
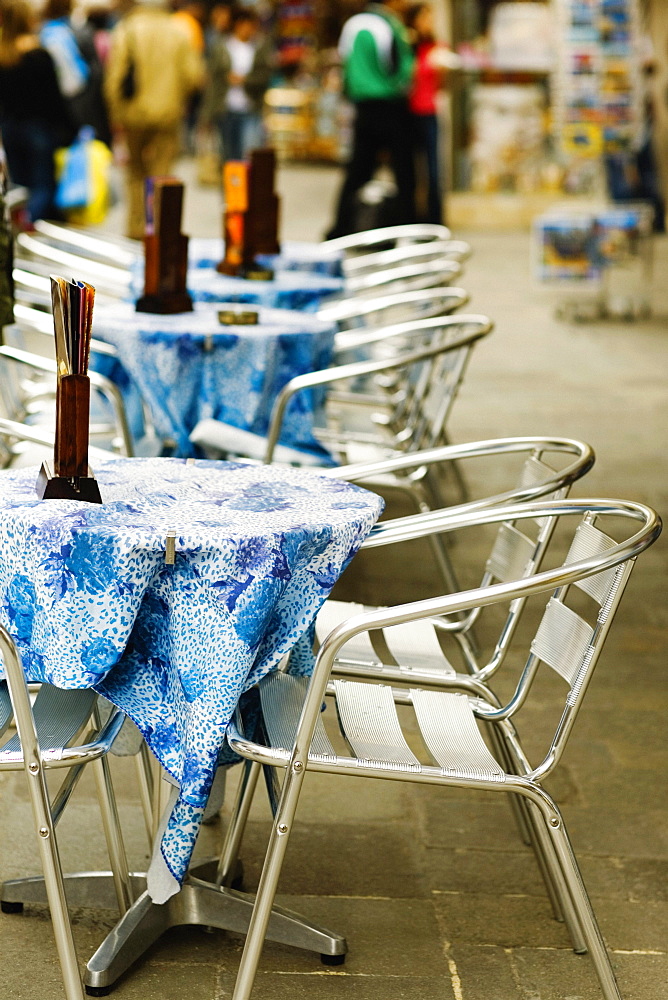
(528, 99)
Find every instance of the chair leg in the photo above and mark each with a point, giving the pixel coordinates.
(517, 804)
(271, 870)
(531, 828)
(555, 882)
(558, 835)
(53, 879)
(113, 834)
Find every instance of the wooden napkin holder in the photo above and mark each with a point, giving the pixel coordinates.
(165, 252)
(70, 477)
(251, 216)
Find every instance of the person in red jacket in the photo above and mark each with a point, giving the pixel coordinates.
(428, 79)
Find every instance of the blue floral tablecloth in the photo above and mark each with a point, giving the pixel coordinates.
(295, 255)
(189, 367)
(87, 595)
(289, 289)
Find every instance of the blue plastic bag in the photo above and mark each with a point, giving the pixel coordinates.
(74, 183)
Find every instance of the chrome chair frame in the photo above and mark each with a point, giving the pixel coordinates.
(386, 310)
(37, 364)
(107, 278)
(122, 251)
(456, 250)
(515, 552)
(448, 722)
(398, 235)
(402, 278)
(47, 738)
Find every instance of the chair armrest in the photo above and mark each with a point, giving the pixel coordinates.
(372, 237)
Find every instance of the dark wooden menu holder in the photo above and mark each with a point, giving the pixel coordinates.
(251, 216)
(70, 477)
(165, 250)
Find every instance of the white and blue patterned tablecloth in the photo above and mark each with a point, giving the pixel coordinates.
(295, 255)
(189, 367)
(87, 596)
(286, 290)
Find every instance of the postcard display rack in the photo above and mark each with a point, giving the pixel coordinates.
(598, 256)
(598, 259)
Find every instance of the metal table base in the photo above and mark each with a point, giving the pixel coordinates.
(199, 902)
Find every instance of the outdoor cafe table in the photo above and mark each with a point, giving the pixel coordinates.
(288, 289)
(87, 594)
(295, 255)
(188, 367)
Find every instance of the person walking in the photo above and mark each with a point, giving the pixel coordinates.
(151, 72)
(78, 67)
(34, 117)
(378, 66)
(240, 66)
(429, 78)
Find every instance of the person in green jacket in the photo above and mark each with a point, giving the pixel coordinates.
(378, 65)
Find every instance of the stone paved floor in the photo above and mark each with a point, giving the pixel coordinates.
(437, 897)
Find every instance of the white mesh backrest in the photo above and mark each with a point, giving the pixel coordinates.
(511, 554)
(534, 471)
(562, 640)
(333, 613)
(590, 541)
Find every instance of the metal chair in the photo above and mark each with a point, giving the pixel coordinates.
(354, 316)
(419, 653)
(580, 597)
(118, 250)
(430, 366)
(14, 437)
(27, 390)
(107, 278)
(388, 236)
(62, 729)
(402, 278)
(416, 253)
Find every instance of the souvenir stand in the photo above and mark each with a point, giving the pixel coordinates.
(596, 254)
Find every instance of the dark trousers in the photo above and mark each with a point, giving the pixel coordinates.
(380, 126)
(425, 131)
(29, 147)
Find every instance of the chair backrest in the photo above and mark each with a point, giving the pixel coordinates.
(388, 236)
(28, 388)
(581, 595)
(384, 310)
(518, 548)
(422, 402)
(416, 253)
(116, 250)
(105, 277)
(11, 432)
(419, 345)
(403, 278)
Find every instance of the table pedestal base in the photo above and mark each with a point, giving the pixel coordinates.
(199, 902)
(92, 889)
